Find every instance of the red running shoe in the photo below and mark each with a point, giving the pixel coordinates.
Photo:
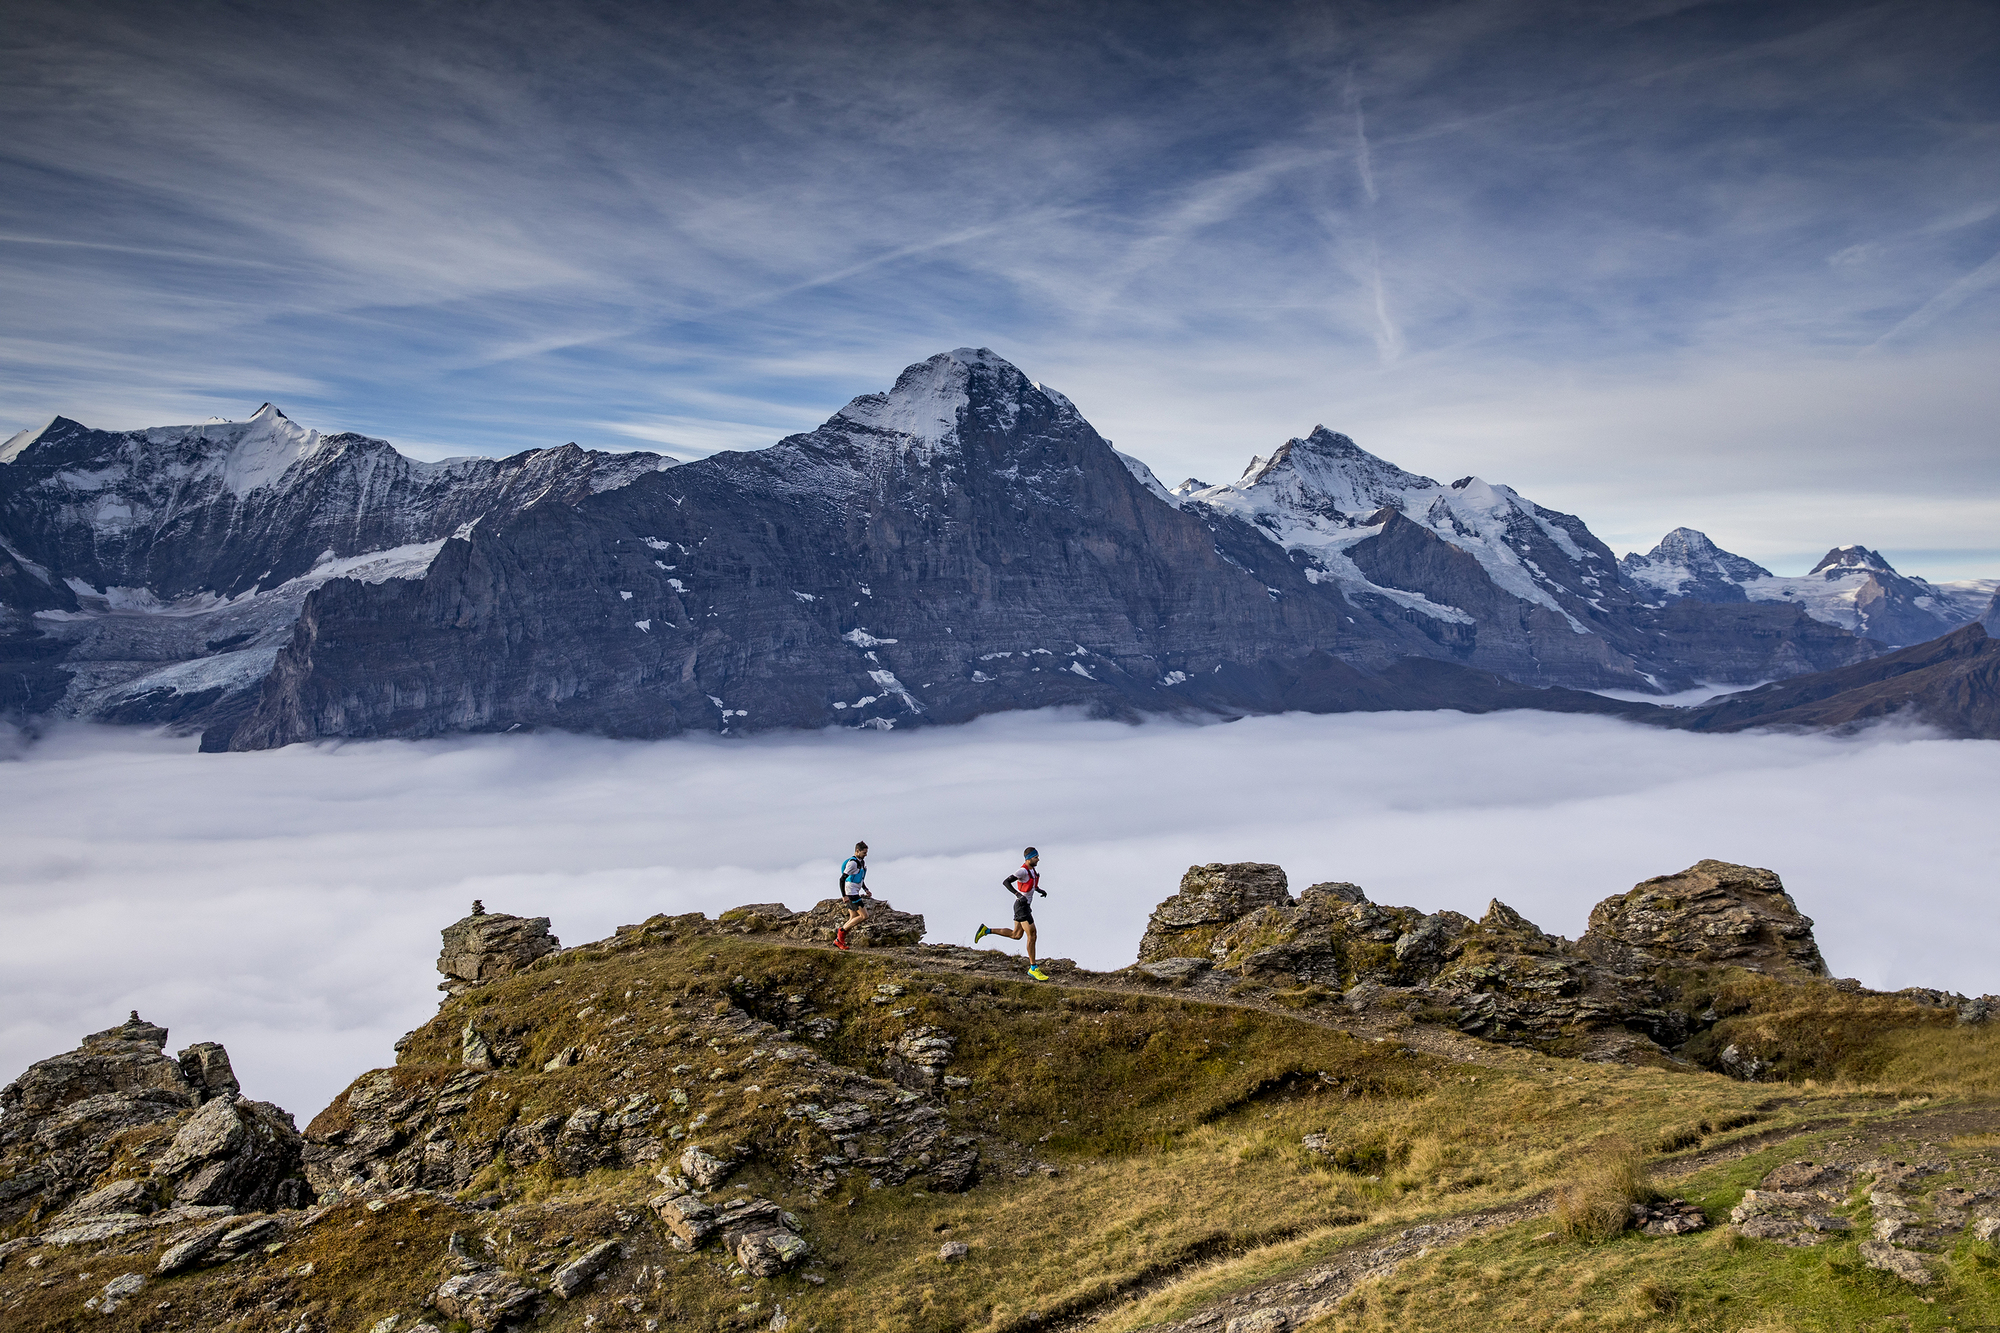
(840, 938)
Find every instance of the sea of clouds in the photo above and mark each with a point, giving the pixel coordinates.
(287, 903)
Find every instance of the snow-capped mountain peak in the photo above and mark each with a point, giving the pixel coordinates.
(261, 450)
(1686, 564)
(1323, 494)
(18, 442)
(923, 413)
(1852, 587)
(1327, 470)
(1843, 560)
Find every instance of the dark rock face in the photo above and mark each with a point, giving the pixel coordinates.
(231, 525)
(1951, 683)
(1500, 977)
(116, 1129)
(489, 945)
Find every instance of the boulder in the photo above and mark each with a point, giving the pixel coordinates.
(1893, 1259)
(116, 1292)
(206, 1067)
(484, 1297)
(1711, 914)
(190, 1248)
(1210, 896)
(703, 1168)
(577, 1274)
(688, 1220)
(486, 946)
(1175, 969)
(761, 1236)
(885, 927)
(755, 918)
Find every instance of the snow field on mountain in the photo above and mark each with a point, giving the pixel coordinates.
(287, 902)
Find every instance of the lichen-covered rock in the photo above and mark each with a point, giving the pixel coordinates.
(1210, 896)
(485, 1298)
(761, 1236)
(885, 927)
(755, 918)
(1894, 1259)
(116, 1292)
(486, 946)
(188, 1249)
(1713, 913)
(687, 1218)
(577, 1274)
(1626, 991)
(704, 1169)
(918, 1058)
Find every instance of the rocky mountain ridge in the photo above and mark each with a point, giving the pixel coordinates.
(964, 543)
(674, 1122)
(1851, 586)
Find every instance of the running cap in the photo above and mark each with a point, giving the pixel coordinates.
(1030, 852)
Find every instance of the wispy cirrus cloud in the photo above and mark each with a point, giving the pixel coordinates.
(500, 227)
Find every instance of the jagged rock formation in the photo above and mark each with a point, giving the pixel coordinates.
(962, 544)
(103, 1136)
(486, 946)
(1626, 989)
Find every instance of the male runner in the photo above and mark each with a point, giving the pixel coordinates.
(1024, 884)
(853, 888)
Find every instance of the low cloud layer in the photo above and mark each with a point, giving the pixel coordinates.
(288, 903)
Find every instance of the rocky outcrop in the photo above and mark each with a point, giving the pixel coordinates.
(115, 1130)
(1712, 913)
(1210, 897)
(1626, 989)
(885, 927)
(419, 1126)
(486, 946)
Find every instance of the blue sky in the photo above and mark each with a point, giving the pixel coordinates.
(1735, 266)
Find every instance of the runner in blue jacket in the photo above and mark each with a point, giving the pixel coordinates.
(853, 889)
(1023, 884)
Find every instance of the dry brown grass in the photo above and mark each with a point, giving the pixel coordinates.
(1595, 1202)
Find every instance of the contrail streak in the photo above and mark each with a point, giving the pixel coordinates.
(1944, 302)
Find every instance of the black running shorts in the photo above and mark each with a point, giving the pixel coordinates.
(1023, 910)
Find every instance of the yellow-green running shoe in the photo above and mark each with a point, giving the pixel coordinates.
(980, 934)
(1037, 973)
